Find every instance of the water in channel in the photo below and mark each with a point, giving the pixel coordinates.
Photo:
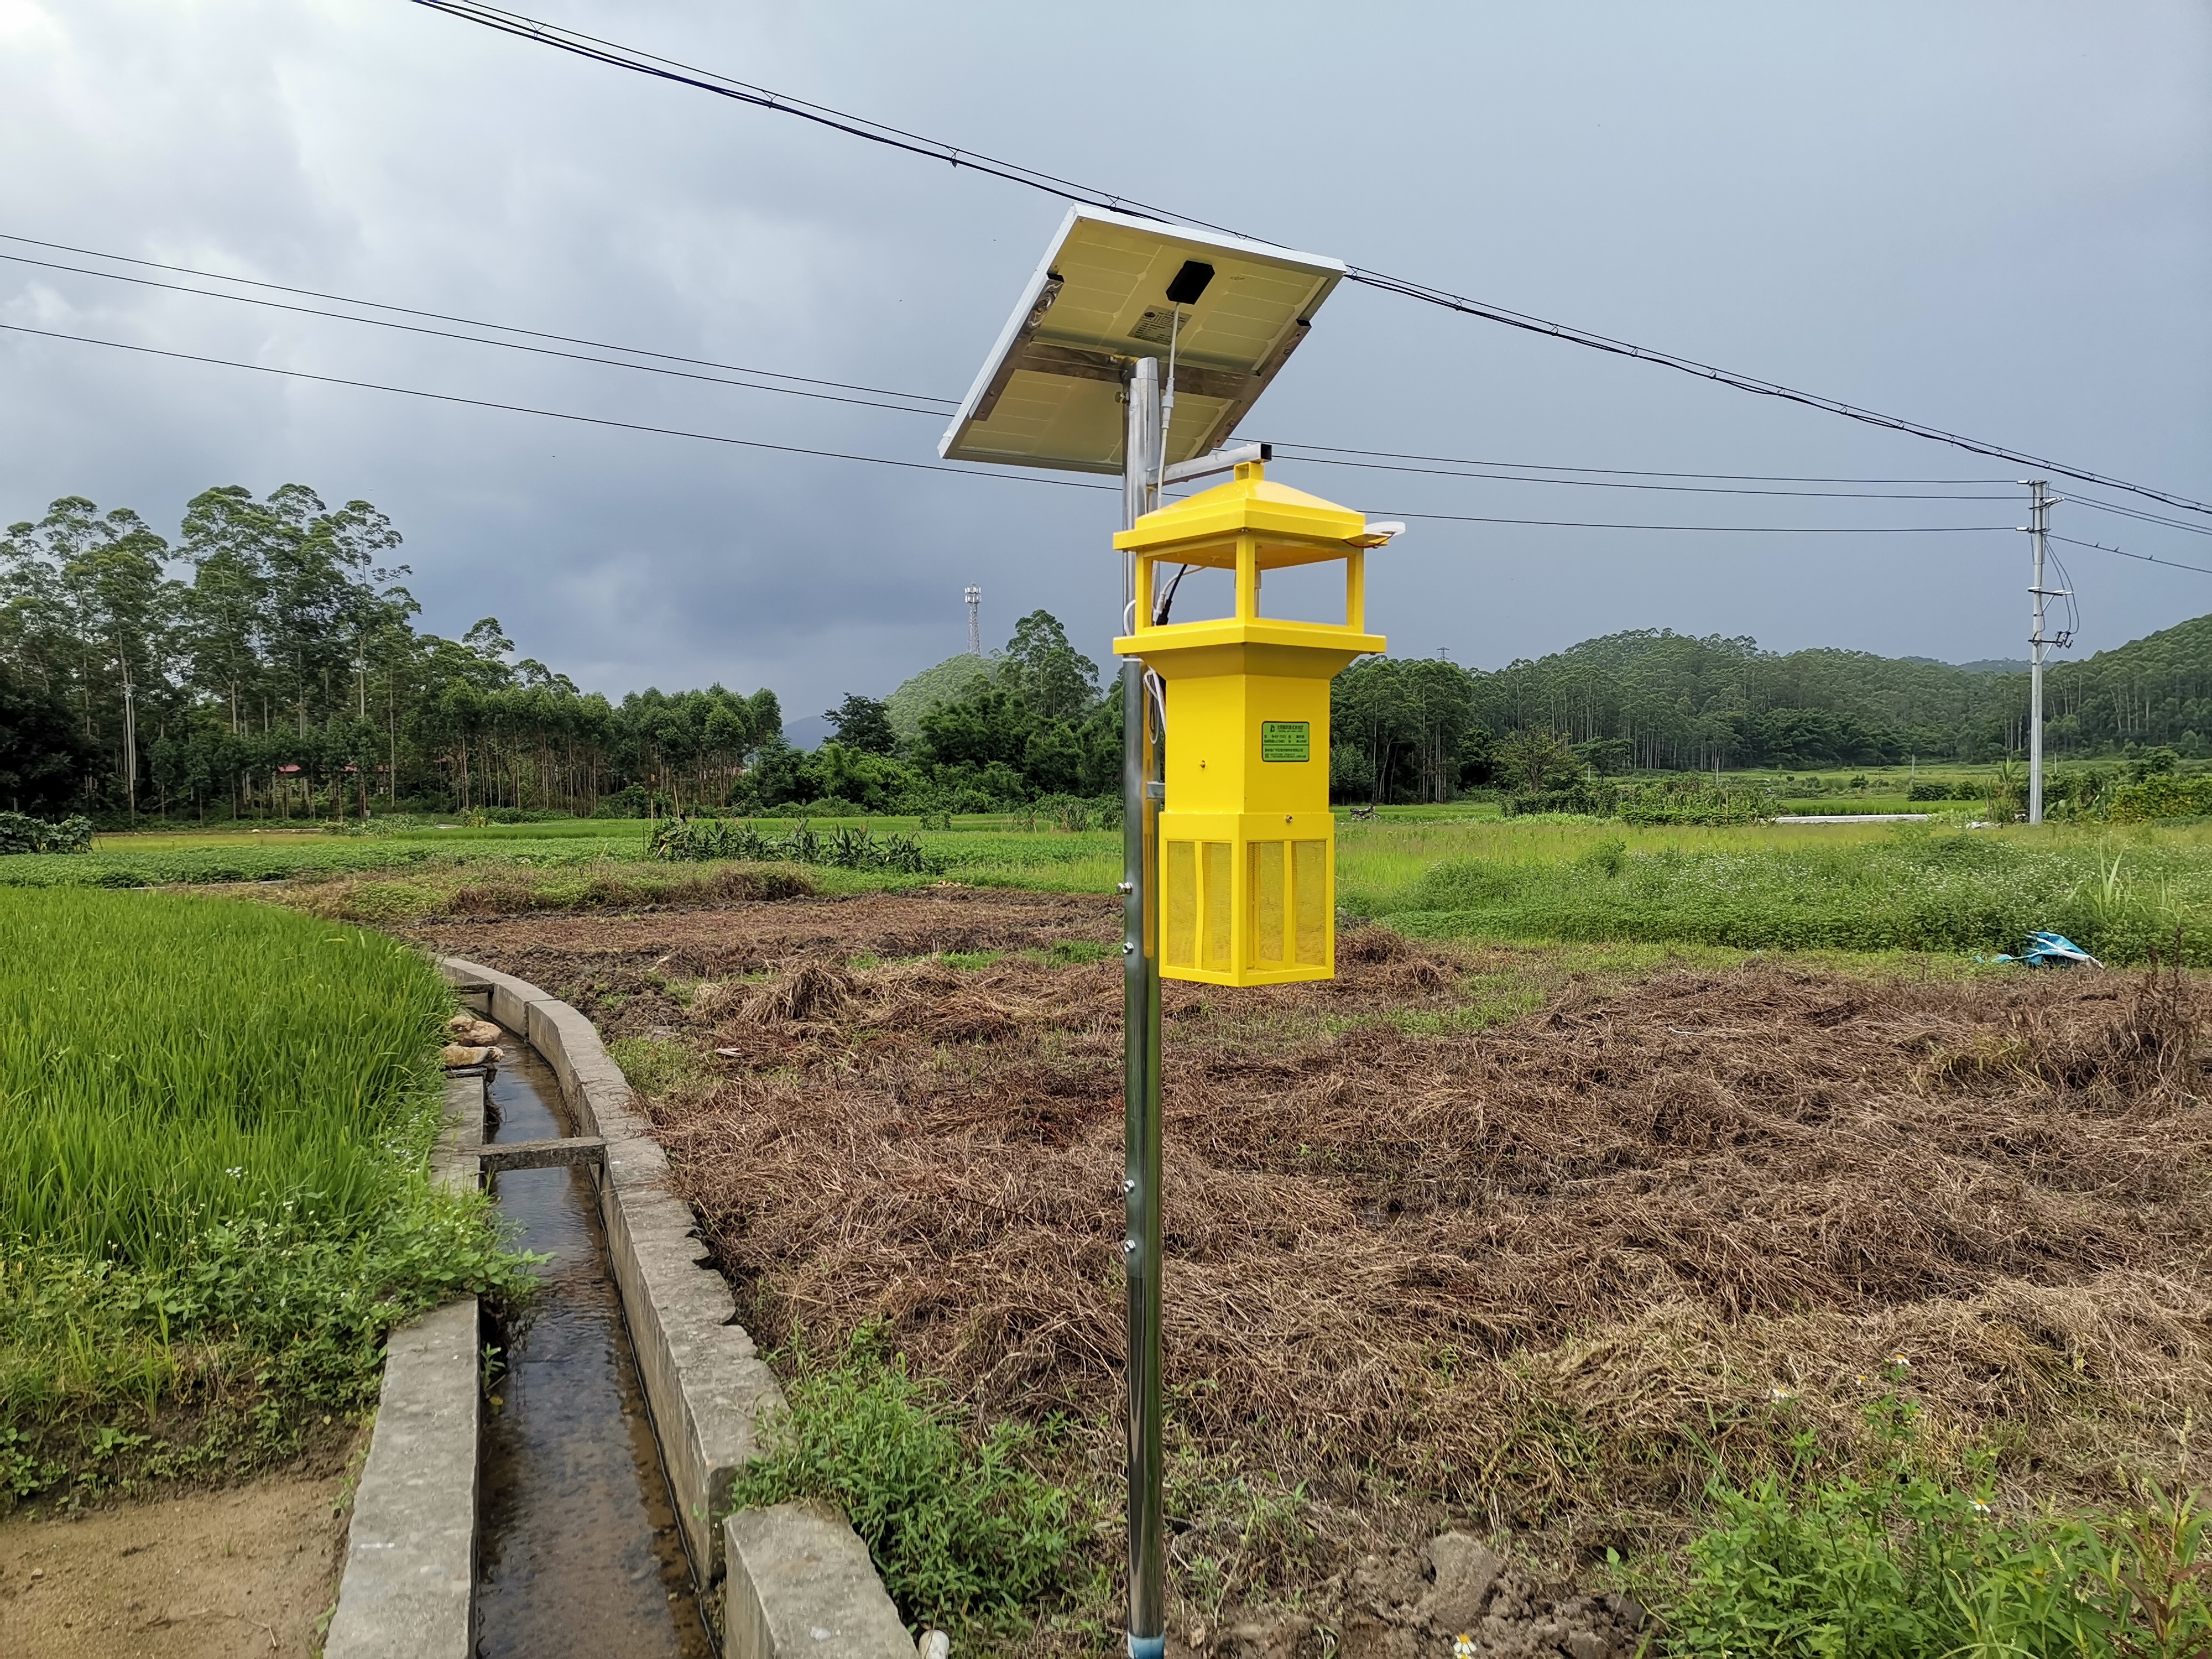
(580, 1551)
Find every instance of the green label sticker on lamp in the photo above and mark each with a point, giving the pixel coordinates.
(1286, 740)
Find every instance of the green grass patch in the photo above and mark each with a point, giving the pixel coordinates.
(215, 1123)
(969, 960)
(286, 859)
(1072, 953)
(1901, 1561)
(660, 1066)
(963, 1531)
(1899, 887)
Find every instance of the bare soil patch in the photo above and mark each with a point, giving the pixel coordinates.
(1530, 1279)
(204, 1575)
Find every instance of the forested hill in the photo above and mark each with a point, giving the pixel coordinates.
(1658, 699)
(2156, 689)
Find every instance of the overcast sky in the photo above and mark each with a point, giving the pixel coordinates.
(1991, 217)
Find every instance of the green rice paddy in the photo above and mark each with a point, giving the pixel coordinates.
(170, 1063)
(214, 1126)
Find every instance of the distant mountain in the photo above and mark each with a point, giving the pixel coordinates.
(2156, 689)
(1674, 697)
(808, 731)
(1982, 666)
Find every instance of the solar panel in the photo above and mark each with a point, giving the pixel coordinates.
(1112, 288)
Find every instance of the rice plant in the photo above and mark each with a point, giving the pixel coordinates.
(214, 1199)
(168, 1064)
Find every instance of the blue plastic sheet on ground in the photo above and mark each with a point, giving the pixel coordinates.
(2046, 950)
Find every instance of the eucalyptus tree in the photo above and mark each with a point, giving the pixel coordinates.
(90, 616)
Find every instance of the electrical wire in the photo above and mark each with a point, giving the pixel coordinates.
(1316, 454)
(1032, 479)
(477, 339)
(435, 316)
(556, 413)
(617, 56)
(1017, 477)
(1619, 483)
(2072, 631)
(1626, 471)
(2126, 512)
(2145, 558)
(1720, 529)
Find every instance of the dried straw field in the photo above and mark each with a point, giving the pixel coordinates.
(1526, 1242)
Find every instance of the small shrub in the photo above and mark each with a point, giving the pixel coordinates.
(845, 847)
(2162, 795)
(1608, 858)
(1461, 885)
(957, 1526)
(21, 833)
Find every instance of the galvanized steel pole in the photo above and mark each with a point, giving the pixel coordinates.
(1141, 793)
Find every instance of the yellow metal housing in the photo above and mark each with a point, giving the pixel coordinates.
(1247, 844)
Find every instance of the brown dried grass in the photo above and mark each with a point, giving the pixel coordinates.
(521, 890)
(1458, 1259)
(1541, 1273)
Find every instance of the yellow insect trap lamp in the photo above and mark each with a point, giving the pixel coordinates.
(1247, 843)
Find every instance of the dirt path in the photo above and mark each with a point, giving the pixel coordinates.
(220, 1574)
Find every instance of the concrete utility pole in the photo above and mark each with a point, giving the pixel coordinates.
(975, 622)
(2040, 501)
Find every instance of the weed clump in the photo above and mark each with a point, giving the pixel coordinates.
(1897, 1561)
(958, 1526)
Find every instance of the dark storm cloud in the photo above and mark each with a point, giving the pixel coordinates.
(1992, 217)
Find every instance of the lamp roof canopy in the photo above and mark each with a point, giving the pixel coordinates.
(1292, 528)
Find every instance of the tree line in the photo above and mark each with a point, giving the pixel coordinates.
(267, 663)
(1651, 700)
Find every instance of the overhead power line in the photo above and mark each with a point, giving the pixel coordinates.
(1624, 483)
(1717, 529)
(556, 413)
(477, 339)
(411, 310)
(916, 466)
(1626, 472)
(1320, 455)
(2145, 558)
(618, 56)
(2126, 512)
(886, 461)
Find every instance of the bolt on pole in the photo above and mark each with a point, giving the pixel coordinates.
(1141, 793)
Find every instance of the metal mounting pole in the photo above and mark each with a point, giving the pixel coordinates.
(1141, 793)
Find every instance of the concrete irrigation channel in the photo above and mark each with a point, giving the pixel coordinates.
(583, 1514)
